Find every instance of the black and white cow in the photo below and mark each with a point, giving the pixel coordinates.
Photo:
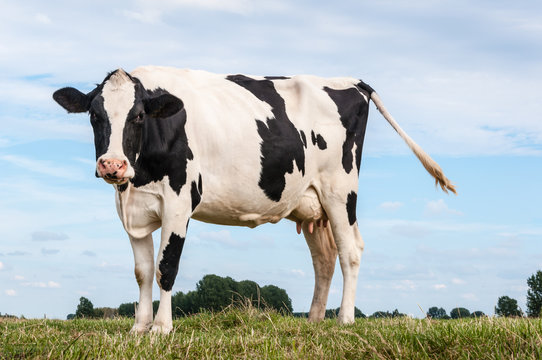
(233, 150)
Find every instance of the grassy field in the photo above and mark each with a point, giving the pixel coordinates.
(254, 334)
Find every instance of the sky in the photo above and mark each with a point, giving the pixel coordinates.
(462, 78)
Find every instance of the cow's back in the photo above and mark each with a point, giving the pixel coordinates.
(259, 142)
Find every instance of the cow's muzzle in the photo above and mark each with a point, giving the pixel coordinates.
(113, 171)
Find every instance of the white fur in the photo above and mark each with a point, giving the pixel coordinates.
(118, 94)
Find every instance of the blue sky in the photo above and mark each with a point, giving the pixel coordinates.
(463, 79)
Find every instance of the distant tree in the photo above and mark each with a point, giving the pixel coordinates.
(459, 313)
(276, 298)
(381, 314)
(188, 304)
(106, 312)
(127, 309)
(248, 291)
(98, 313)
(437, 313)
(70, 317)
(6, 315)
(478, 314)
(387, 314)
(358, 313)
(333, 313)
(85, 309)
(216, 292)
(534, 294)
(506, 306)
(155, 305)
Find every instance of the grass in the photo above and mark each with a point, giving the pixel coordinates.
(254, 334)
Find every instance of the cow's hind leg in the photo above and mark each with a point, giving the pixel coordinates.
(324, 256)
(144, 273)
(341, 211)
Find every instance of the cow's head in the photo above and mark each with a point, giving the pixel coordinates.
(118, 109)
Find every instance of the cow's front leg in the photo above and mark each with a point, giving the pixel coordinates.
(144, 273)
(167, 265)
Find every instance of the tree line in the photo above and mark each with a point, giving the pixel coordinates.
(214, 293)
(506, 306)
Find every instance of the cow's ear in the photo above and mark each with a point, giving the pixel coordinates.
(163, 106)
(72, 100)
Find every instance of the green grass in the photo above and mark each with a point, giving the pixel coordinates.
(254, 334)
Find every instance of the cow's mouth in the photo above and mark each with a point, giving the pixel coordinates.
(114, 180)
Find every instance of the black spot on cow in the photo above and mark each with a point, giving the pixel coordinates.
(353, 110)
(200, 185)
(281, 145)
(195, 193)
(122, 187)
(277, 77)
(318, 140)
(322, 144)
(351, 207)
(164, 149)
(100, 125)
(366, 88)
(303, 138)
(169, 265)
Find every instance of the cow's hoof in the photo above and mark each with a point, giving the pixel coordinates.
(345, 320)
(161, 329)
(139, 329)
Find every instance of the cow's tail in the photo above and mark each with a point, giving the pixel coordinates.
(429, 164)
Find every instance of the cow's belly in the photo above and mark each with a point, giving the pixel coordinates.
(243, 205)
(251, 213)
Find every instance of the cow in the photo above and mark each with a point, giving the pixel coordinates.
(233, 150)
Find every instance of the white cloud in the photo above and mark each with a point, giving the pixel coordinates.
(439, 286)
(439, 207)
(11, 292)
(298, 272)
(222, 237)
(405, 285)
(18, 277)
(53, 284)
(1, 265)
(43, 19)
(42, 284)
(469, 297)
(113, 268)
(410, 229)
(46, 251)
(457, 281)
(43, 167)
(18, 253)
(48, 236)
(391, 205)
(151, 12)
